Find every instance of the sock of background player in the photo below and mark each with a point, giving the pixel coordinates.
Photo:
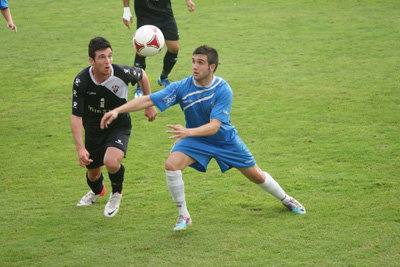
(96, 186)
(176, 188)
(140, 62)
(169, 62)
(272, 187)
(117, 179)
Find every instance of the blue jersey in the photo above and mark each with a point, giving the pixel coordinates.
(3, 4)
(200, 104)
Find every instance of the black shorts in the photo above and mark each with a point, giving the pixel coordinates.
(97, 143)
(168, 28)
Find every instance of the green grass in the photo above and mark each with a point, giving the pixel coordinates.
(316, 99)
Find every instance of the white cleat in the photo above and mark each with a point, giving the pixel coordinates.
(293, 205)
(112, 205)
(182, 223)
(90, 198)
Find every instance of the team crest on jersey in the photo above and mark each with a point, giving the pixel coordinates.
(77, 81)
(115, 88)
(126, 70)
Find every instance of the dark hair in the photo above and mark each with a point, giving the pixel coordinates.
(98, 43)
(211, 53)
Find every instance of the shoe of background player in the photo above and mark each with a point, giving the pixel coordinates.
(91, 197)
(163, 82)
(112, 205)
(293, 205)
(138, 92)
(182, 223)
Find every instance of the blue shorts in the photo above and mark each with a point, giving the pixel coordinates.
(232, 155)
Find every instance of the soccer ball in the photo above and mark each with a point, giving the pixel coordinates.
(148, 40)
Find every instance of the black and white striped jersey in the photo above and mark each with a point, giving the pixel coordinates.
(90, 100)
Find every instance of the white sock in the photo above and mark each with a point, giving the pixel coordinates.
(272, 187)
(176, 188)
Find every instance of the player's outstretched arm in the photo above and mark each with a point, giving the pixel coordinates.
(131, 106)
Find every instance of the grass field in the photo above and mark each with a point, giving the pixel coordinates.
(316, 99)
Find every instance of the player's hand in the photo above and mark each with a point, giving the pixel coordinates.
(179, 132)
(128, 22)
(150, 113)
(84, 159)
(191, 5)
(108, 118)
(127, 18)
(12, 26)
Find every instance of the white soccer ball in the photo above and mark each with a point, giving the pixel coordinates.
(148, 40)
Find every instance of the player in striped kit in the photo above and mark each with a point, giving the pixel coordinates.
(97, 89)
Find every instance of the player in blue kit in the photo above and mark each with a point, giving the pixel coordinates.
(206, 101)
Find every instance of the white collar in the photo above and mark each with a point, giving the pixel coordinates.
(94, 80)
(208, 85)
